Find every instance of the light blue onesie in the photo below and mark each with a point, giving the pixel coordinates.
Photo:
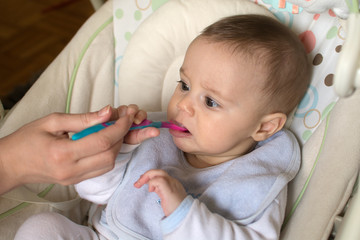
(237, 192)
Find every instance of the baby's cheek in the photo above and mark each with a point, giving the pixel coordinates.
(210, 142)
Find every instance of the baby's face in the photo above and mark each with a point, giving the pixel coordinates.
(217, 100)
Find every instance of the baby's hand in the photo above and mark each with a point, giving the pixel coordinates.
(138, 136)
(169, 189)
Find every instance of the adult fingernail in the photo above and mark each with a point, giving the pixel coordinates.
(104, 111)
(137, 121)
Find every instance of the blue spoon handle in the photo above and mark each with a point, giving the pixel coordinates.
(98, 127)
(90, 130)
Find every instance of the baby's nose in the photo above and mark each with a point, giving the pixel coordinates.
(186, 105)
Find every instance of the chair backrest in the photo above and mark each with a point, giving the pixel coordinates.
(333, 149)
(147, 71)
(151, 61)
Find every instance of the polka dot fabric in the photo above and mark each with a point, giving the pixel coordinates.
(128, 15)
(323, 37)
(321, 34)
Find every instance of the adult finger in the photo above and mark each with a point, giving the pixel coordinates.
(60, 122)
(92, 166)
(138, 136)
(140, 115)
(117, 112)
(101, 141)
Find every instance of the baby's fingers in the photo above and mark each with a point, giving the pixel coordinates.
(147, 176)
(141, 181)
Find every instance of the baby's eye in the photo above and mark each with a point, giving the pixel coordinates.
(211, 103)
(183, 86)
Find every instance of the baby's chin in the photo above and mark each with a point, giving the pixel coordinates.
(181, 139)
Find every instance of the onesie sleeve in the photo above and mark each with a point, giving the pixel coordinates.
(99, 189)
(193, 220)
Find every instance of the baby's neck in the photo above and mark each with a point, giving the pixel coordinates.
(197, 161)
(204, 161)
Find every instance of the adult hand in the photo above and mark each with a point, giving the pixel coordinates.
(41, 151)
(138, 136)
(170, 191)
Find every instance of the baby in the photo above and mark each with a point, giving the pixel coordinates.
(224, 178)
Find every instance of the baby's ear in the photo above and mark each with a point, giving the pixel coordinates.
(269, 125)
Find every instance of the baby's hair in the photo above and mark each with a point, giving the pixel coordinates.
(274, 47)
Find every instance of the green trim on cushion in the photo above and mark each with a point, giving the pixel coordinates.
(353, 6)
(25, 204)
(43, 193)
(78, 62)
(299, 198)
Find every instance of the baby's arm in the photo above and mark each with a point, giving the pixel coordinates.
(188, 218)
(169, 189)
(201, 224)
(193, 220)
(100, 189)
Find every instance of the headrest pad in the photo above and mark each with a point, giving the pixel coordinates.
(152, 59)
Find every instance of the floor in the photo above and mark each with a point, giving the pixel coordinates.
(32, 34)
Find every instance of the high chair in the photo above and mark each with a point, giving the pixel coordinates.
(130, 52)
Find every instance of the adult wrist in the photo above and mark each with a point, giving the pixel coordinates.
(7, 179)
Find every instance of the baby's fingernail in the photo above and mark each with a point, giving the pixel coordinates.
(104, 111)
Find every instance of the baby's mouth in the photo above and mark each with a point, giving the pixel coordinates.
(182, 128)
